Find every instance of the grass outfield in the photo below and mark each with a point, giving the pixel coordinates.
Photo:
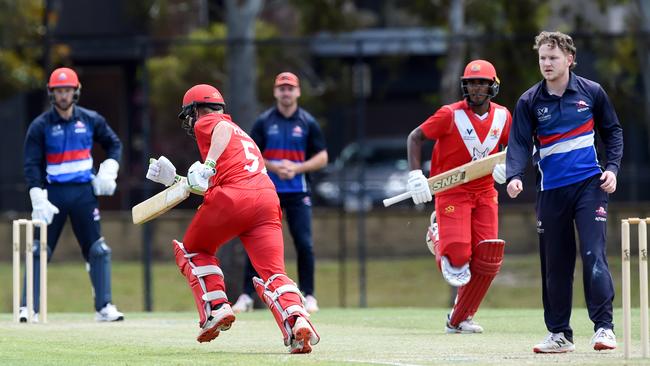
(404, 282)
(379, 336)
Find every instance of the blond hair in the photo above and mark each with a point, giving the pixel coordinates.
(557, 39)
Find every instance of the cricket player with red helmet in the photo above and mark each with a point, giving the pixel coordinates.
(239, 200)
(464, 226)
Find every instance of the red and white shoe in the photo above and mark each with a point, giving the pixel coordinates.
(220, 320)
(304, 336)
(604, 339)
(467, 326)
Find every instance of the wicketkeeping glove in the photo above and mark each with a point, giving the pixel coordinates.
(418, 186)
(198, 176)
(162, 171)
(104, 182)
(42, 209)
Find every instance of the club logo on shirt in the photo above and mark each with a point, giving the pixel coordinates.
(469, 134)
(79, 127)
(273, 130)
(296, 132)
(495, 132)
(601, 214)
(542, 114)
(582, 106)
(57, 130)
(478, 154)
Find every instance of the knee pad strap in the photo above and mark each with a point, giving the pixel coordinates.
(283, 298)
(201, 271)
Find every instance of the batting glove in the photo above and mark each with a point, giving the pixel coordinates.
(198, 176)
(104, 182)
(499, 173)
(42, 209)
(162, 171)
(418, 186)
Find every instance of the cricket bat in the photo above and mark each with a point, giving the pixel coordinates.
(162, 202)
(457, 176)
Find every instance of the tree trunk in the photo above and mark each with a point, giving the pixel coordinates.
(450, 85)
(644, 60)
(241, 103)
(242, 61)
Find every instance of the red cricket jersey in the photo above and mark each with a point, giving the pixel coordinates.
(462, 137)
(241, 164)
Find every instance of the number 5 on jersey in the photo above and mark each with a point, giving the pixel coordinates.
(249, 146)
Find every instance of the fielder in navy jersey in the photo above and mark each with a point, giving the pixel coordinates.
(561, 116)
(59, 173)
(292, 145)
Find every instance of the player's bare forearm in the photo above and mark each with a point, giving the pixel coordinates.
(272, 166)
(220, 138)
(316, 162)
(414, 148)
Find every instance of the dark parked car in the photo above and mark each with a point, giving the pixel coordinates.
(386, 171)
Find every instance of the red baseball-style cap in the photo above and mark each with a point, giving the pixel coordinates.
(287, 78)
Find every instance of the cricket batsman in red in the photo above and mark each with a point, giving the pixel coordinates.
(464, 226)
(239, 200)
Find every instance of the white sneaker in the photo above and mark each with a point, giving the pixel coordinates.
(22, 315)
(220, 320)
(244, 303)
(109, 313)
(432, 234)
(603, 339)
(304, 336)
(455, 276)
(311, 304)
(467, 326)
(555, 343)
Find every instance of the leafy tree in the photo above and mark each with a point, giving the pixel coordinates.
(20, 32)
(199, 59)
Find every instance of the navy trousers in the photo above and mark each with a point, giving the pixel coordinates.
(297, 211)
(78, 202)
(584, 205)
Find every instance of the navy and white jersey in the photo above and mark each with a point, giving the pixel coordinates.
(59, 150)
(561, 131)
(296, 138)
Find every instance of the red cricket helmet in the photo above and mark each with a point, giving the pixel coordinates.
(480, 69)
(196, 96)
(63, 77)
(202, 94)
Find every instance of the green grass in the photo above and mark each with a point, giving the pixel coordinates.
(408, 334)
(379, 336)
(410, 282)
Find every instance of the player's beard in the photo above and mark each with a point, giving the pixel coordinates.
(472, 102)
(287, 102)
(64, 105)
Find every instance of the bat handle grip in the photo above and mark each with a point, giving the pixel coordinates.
(398, 198)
